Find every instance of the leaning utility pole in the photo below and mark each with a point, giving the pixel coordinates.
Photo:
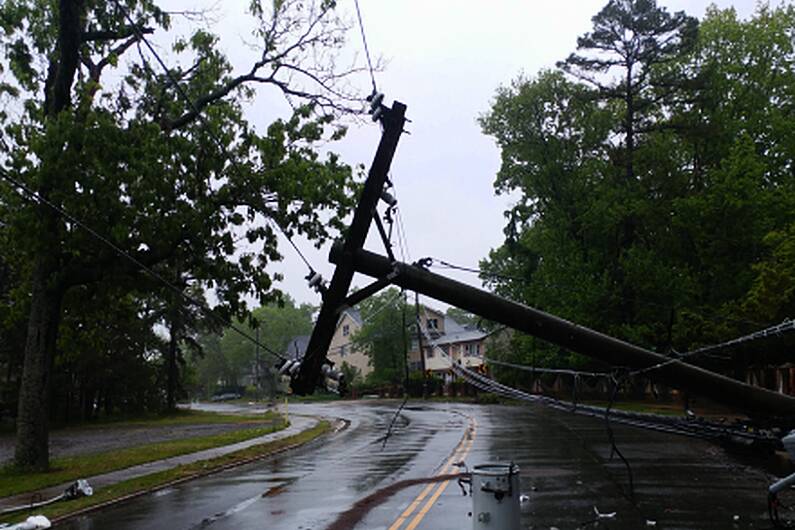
(334, 297)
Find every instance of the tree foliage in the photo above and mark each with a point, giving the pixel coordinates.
(691, 245)
(104, 134)
(228, 357)
(383, 336)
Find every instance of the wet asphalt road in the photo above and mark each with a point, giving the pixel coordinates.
(565, 471)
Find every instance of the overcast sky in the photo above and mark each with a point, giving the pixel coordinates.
(445, 60)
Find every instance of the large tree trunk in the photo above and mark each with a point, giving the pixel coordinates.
(32, 448)
(172, 371)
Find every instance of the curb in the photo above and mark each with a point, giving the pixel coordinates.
(337, 425)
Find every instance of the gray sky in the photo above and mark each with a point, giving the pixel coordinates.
(445, 60)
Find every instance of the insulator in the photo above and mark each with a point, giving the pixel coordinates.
(375, 101)
(294, 368)
(388, 198)
(315, 279)
(285, 367)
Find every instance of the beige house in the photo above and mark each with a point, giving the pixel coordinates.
(342, 350)
(446, 341)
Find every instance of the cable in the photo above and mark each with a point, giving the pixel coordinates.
(366, 48)
(660, 423)
(195, 301)
(787, 326)
(547, 370)
(405, 376)
(383, 306)
(613, 447)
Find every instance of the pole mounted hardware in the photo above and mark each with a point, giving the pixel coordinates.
(392, 120)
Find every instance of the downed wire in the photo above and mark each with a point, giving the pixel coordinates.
(613, 447)
(667, 424)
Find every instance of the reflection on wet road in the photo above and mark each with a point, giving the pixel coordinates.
(566, 471)
(300, 489)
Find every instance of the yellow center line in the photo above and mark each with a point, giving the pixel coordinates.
(460, 452)
(428, 505)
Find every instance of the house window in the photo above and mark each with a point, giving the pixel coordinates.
(343, 350)
(472, 349)
(346, 330)
(429, 353)
(433, 323)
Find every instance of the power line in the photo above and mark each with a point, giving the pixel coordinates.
(405, 374)
(366, 48)
(560, 371)
(788, 326)
(386, 304)
(195, 301)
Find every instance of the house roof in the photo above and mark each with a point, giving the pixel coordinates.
(296, 348)
(455, 332)
(465, 335)
(355, 315)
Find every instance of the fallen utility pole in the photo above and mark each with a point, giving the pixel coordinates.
(334, 298)
(757, 402)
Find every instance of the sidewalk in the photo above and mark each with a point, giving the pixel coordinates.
(297, 425)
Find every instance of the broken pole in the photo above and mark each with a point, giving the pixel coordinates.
(757, 402)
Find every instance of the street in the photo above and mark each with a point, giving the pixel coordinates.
(566, 474)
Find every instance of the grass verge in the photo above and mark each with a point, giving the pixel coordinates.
(142, 485)
(14, 481)
(177, 417)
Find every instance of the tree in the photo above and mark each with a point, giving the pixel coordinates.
(173, 184)
(277, 324)
(383, 337)
(689, 250)
(633, 37)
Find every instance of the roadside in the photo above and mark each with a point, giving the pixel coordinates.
(251, 438)
(99, 437)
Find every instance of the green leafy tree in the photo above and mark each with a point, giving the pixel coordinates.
(383, 336)
(277, 323)
(351, 375)
(116, 145)
(630, 38)
(688, 251)
(463, 317)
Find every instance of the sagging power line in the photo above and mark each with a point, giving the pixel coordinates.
(25, 191)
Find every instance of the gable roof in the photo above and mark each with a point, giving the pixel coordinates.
(454, 331)
(296, 348)
(355, 315)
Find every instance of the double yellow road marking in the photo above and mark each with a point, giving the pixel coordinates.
(458, 455)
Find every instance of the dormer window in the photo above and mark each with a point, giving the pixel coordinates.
(433, 323)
